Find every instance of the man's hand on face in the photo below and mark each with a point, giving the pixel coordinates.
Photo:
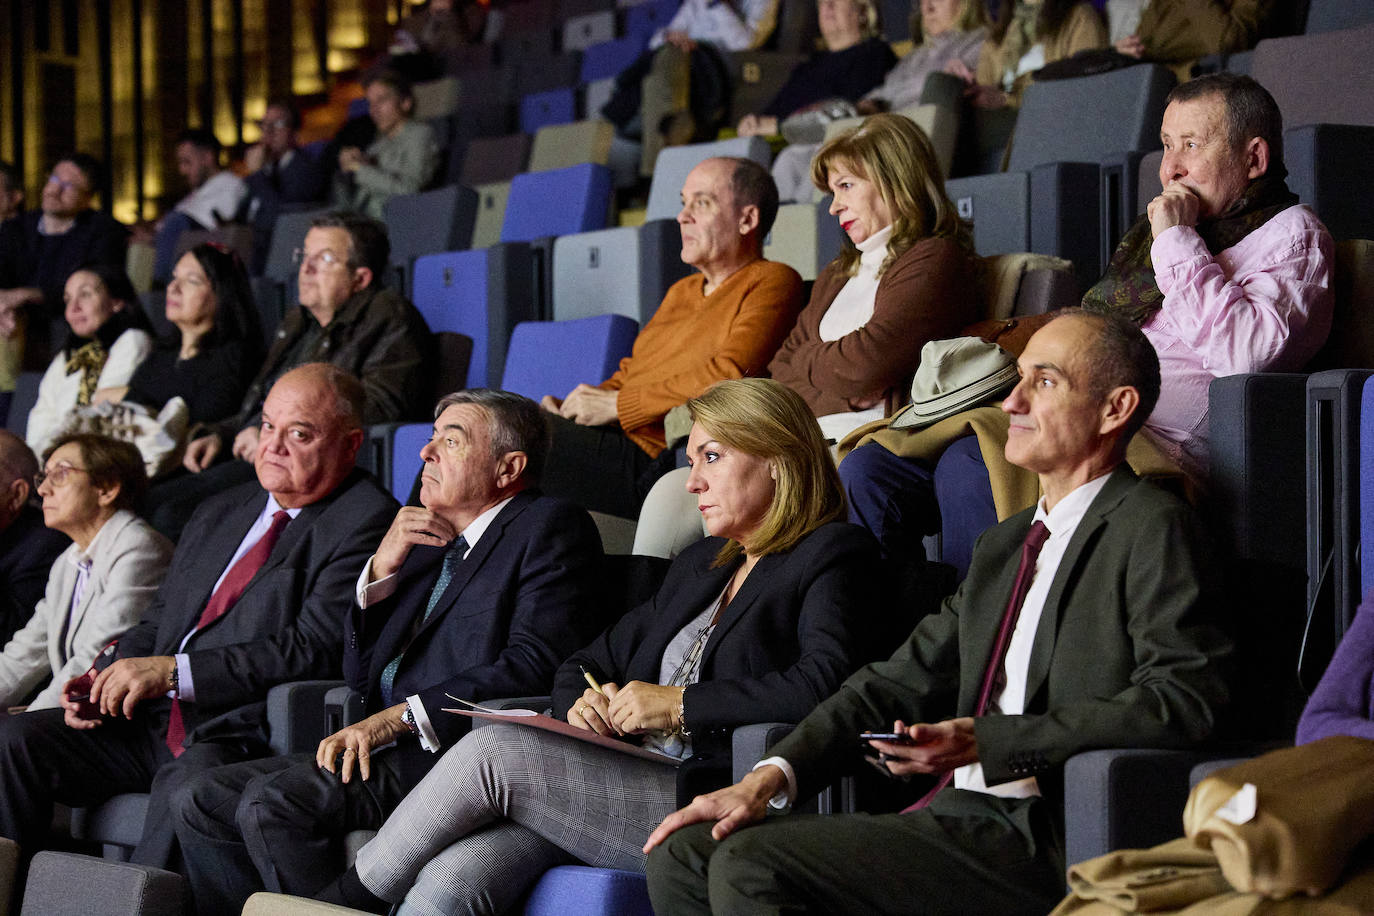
(1176, 205)
(588, 406)
(412, 525)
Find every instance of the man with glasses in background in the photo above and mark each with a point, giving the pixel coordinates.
(39, 250)
(280, 173)
(345, 317)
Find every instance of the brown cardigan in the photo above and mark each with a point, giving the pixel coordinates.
(1082, 31)
(928, 293)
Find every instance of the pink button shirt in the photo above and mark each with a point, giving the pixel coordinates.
(1263, 304)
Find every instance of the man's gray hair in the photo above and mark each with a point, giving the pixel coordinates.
(1250, 110)
(515, 424)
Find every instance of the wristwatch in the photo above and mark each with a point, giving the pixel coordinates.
(175, 681)
(408, 720)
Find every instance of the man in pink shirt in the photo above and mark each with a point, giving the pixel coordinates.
(1226, 273)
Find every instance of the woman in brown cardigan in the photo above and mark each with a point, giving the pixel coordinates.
(907, 275)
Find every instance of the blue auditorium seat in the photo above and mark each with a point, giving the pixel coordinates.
(1367, 482)
(644, 19)
(554, 357)
(606, 59)
(428, 223)
(577, 890)
(406, 442)
(558, 202)
(552, 106)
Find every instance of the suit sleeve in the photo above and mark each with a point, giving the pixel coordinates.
(552, 602)
(311, 643)
(24, 661)
(1169, 601)
(134, 576)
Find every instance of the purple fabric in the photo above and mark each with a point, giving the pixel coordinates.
(1343, 703)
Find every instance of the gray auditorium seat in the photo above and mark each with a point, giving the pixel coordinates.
(621, 271)
(68, 884)
(676, 161)
(1318, 79)
(1048, 201)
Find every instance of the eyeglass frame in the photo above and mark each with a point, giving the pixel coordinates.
(299, 258)
(57, 475)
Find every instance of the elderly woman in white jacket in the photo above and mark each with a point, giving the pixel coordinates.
(99, 585)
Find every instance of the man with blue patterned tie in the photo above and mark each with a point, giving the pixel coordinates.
(478, 593)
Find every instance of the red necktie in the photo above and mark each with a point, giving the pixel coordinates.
(994, 674)
(235, 581)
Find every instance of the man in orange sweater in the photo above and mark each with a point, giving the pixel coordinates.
(724, 322)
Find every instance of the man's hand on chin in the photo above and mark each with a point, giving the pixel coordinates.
(1176, 205)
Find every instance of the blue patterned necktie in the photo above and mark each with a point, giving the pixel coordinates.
(452, 558)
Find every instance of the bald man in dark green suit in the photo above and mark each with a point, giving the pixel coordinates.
(1110, 640)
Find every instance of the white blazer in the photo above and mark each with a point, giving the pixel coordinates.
(128, 561)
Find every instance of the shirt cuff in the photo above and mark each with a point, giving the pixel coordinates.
(785, 797)
(186, 688)
(429, 739)
(369, 592)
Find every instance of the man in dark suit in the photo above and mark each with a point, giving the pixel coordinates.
(255, 597)
(1085, 622)
(478, 594)
(280, 173)
(27, 546)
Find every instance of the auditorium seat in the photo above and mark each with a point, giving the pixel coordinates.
(1336, 15)
(554, 357)
(558, 146)
(491, 212)
(670, 171)
(606, 59)
(437, 98)
(427, 223)
(624, 271)
(805, 237)
(1048, 200)
(493, 159)
(552, 106)
(581, 32)
(69, 884)
(540, 73)
(644, 19)
(1318, 79)
(558, 202)
(757, 77)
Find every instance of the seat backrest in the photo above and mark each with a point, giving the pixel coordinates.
(490, 159)
(557, 146)
(25, 396)
(1321, 78)
(1331, 170)
(1024, 284)
(542, 73)
(607, 58)
(552, 106)
(624, 271)
(758, 75)
(554, 357)
(406, 443)
(1350, 345)
(583, 31)
(805, 237)
(1335, 15)
(673, 164)
(1089, 117)
(437, 98)
(69, 884)
(491, 213)
(1147, 180)
(429, 222)
(643, 19)
(559, 202)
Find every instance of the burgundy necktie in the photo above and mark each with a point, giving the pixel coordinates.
(235, 581)
(994, 673)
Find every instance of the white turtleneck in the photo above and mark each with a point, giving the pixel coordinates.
(849, 312)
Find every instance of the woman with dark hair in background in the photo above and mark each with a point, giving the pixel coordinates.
(1027, 35)
(107, 339)
(217, 345)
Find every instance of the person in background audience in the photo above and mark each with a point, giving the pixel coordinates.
(908, 275)
(100, 585)
(402, 160)
(251, 600)
(427, 38)
(680, 87)
(525, 599)
(754, 624)
(11, 192)
(724, 322)
(944, 30)
(854, 60)
(280, 173)
(1178, 32)
(108, 337)
(215, 197)
(347, 318)
(216, 347)
(1091, 620)
(1027, 35)
(39, 251)
(27, 546)
(1226, 273)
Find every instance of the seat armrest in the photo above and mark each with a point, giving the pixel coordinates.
(295, 715)
(343, 706)
(750, 743)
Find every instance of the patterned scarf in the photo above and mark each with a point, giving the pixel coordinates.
(1128, 287)
(89, 358)
(1020, 37)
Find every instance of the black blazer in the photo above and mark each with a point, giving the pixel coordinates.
(789, 637)
(287, 626)
(520, 601)
(27, 551)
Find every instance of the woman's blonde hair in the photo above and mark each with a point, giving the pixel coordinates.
(972, 14)
(893, 153)
(766, 419)
(869, 21)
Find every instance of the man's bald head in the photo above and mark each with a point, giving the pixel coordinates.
(17, 469)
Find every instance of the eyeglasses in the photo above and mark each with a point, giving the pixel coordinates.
(274, 124)
(54, 178)
(57, 475)
(324, 258)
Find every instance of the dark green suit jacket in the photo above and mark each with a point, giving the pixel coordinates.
(1128, 652)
